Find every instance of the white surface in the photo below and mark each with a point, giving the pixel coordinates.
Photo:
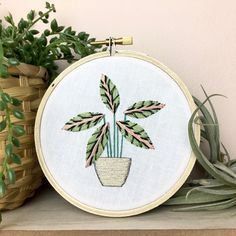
(153, 172)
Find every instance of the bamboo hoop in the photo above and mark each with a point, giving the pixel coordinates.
(72, 199)
(27, 83)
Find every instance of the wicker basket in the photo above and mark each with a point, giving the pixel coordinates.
(27, 83)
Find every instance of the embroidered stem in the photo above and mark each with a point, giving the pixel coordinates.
(117, 140)
(122, 140)
(109, 141)
(108, 154)
(114, 135)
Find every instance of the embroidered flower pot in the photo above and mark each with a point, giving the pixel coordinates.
(112, 172)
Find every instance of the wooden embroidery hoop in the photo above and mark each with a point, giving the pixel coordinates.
(53, 182)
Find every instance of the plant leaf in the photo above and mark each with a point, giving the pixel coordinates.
(215, 206)
(9, 149)
(19, 130)
(15, 141)
(13, 61)
(224, 191)
(15, 101)
(3, 125)
(54, 25)
(6, 98)
(11, 176)
(2, 188)
(96, 144)
(83, 121)
(202, 159)
(2, 106)
(109, 94)
(144, 109)
(18, 114)
(135, 134)
(225, 169)
(209, 183)
(209, 129)
(195, 197)
(217, 130)
(16, 159)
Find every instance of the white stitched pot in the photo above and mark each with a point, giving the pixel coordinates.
(112, 171)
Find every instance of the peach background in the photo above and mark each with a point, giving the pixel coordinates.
(196, 39)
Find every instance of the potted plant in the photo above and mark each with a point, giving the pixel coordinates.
(27, 66)
(216, 189)
(113, 169)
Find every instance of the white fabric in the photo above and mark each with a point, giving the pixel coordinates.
(153, 172)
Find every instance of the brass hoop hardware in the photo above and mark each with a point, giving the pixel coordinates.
(117, 41)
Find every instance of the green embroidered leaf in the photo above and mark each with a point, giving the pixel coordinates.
(96, 144)
(135, 134)
(83, 121)
(109, 94)
(144, 109)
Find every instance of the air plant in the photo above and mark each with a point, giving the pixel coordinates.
(218, 190)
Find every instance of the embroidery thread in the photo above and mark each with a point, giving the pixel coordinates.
(113, 170)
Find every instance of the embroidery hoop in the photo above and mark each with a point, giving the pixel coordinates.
(55, 184)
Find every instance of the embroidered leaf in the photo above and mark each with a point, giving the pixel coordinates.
(135, 134)
(109, 94)
(83, 121)
(96, 144)
(144, 109)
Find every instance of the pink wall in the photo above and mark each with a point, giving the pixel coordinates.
(196, 39)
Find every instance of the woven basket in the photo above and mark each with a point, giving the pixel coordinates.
(27, 83)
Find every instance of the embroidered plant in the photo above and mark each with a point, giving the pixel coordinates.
(129, 130)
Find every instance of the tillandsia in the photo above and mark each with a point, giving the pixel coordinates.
(22, 43)
(108, 137)
(218, 190)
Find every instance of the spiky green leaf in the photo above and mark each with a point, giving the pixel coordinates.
(212, 206)
(83, 121)
(144, 109)
(96, 144)
(195, 197)
(225, 169)
(222, 190)
(202, 159)
(109, 94)
(135, 134)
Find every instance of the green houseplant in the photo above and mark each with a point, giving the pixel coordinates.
(113, 170)
(217, 189)
(24, 49)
